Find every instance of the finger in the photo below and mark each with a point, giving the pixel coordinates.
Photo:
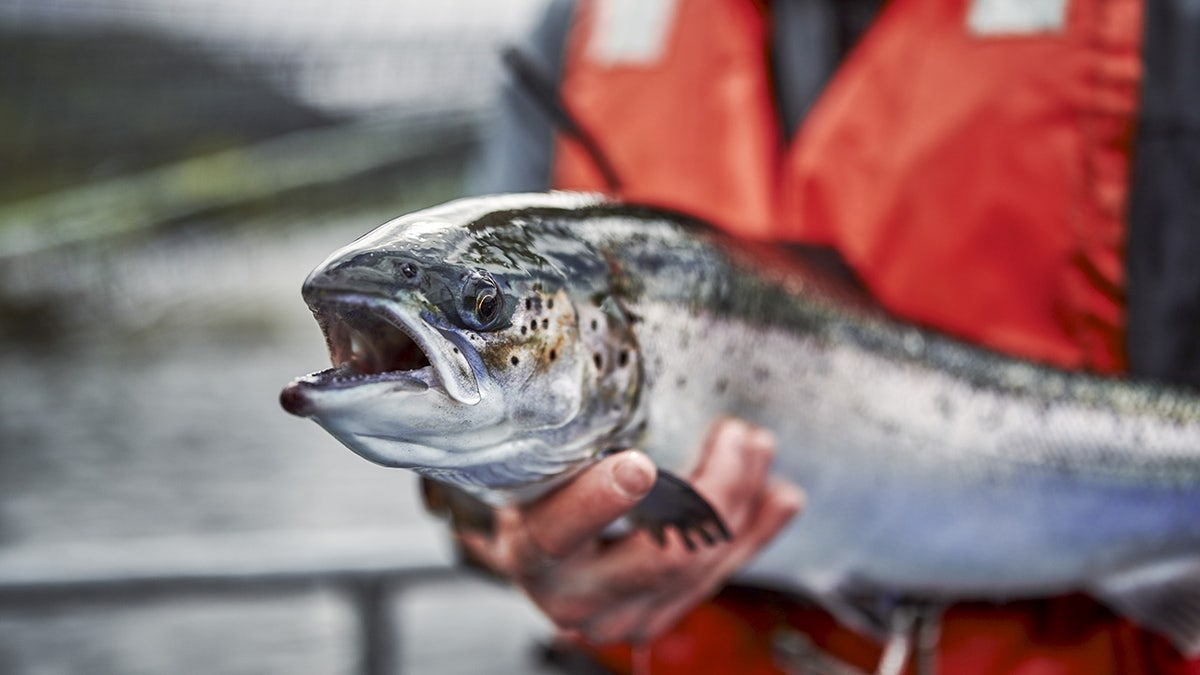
(780, 502)
(636, 590)
(739, 458)
(645, 605)
(622, 622)
(667, 614)
(491, 550)
(637, 565)
(720, 427)
(559, 524)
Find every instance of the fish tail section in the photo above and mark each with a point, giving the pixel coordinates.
(1164, 598)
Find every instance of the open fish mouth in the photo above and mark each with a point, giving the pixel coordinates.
(373, 341)
(368, 347)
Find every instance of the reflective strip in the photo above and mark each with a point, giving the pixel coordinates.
(631, 32)
(1016, 17)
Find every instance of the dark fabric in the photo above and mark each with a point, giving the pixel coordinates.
(518, 148)
(804, 54)
(1163, 253)
(809, 39)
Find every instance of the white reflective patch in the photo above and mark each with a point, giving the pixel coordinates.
(1016, 17)
(631, 32)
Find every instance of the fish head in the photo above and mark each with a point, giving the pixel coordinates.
(461, 350)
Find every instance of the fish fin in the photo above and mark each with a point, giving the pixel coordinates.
(914, 631)
(1163, 598)
(866, 612)
(465, 512)
(672, 503)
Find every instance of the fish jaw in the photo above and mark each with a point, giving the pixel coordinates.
(383, 338)
(397, 378)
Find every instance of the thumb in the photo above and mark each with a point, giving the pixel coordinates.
(565, 520)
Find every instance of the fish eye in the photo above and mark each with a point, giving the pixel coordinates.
(482, 305)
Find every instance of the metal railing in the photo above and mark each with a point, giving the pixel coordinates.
(369, 569)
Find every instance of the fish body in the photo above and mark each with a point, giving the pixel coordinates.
(502, 344)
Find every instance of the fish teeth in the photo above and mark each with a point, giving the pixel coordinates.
(363, 354)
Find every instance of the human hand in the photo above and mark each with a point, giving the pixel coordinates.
(631, 589)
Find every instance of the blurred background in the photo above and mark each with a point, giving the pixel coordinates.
(169, 172)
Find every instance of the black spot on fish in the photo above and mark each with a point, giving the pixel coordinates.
(595, 325)
(545, 323)
(528, 304)
(550, 303)
(623, 358)
(722, 385)
(533, 325)
(821, 366)
(553, 354)
(515, 360)
(681, 382)
(598, 360)
(945, 406)
(456, 350)
(524, 330)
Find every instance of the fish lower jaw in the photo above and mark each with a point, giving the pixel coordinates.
(308, 395)
(346, 375)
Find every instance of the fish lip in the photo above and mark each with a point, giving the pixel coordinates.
(345, 314)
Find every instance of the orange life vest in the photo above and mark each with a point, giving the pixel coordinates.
(740, 632)
(975, 180)
(974, 175)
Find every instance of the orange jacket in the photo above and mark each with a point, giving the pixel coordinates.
(740, 631)
(970, 167)
(976, 181)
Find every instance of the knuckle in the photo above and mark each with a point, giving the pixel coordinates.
(677, 563)
(607, 635)
(530, 558)
(566, 615)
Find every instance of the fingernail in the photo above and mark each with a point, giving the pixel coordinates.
(632, 477)
(792, 498)
(734, 425)
(762, 438)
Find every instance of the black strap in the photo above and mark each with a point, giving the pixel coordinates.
(1163, 249)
